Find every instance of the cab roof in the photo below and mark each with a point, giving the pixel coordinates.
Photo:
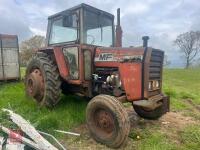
(84, 6)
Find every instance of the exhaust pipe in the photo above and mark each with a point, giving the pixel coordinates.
(118, 16)
(145, 41)
(118, 40)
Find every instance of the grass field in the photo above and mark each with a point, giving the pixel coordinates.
(183, 86)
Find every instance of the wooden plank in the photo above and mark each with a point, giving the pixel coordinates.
(27, 128)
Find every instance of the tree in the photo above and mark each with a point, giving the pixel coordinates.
(29, 47)
(189, 44)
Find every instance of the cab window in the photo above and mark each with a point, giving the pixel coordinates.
(64, 29)
(98, 29)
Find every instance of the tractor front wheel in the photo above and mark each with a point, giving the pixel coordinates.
(42, 80)
(107, 120)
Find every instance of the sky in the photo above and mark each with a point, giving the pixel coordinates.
(161, 20)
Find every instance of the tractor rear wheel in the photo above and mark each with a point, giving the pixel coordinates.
(42, 80)
(107, 120)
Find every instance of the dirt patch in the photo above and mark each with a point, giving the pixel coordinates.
(176, 120)
(83, 142)
(170, 124)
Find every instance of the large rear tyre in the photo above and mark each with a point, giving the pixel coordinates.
(42, 80)
(107, 120)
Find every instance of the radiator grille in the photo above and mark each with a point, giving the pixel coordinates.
(155, 69)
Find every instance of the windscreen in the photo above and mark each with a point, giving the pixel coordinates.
(98, 29)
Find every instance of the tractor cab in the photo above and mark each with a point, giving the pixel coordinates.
(82, 24)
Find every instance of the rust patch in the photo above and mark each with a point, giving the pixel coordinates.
(104, 123)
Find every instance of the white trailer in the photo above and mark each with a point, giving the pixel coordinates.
(9, 58)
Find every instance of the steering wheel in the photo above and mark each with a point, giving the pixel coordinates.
(93, 38)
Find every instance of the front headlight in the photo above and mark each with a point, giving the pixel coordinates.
(157, 84)
(154, 84)
(150, 85)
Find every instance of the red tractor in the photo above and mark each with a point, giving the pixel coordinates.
(84, 56)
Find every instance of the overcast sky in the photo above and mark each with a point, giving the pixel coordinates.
(162, 20)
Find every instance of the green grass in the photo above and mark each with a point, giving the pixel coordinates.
(182, 84)
(151, 139)
(23, 71)
(155, 141)
(70, 111)
(179, 84)
(190, 137)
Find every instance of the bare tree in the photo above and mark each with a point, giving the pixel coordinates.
(189, 44)
(28, 47)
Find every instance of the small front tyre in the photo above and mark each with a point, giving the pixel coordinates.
(107, 120)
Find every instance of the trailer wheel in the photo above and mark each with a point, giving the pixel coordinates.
(42, 80)
(149, 114)
(107, 120)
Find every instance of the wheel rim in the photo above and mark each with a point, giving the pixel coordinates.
(104, 123)
(35, 84)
